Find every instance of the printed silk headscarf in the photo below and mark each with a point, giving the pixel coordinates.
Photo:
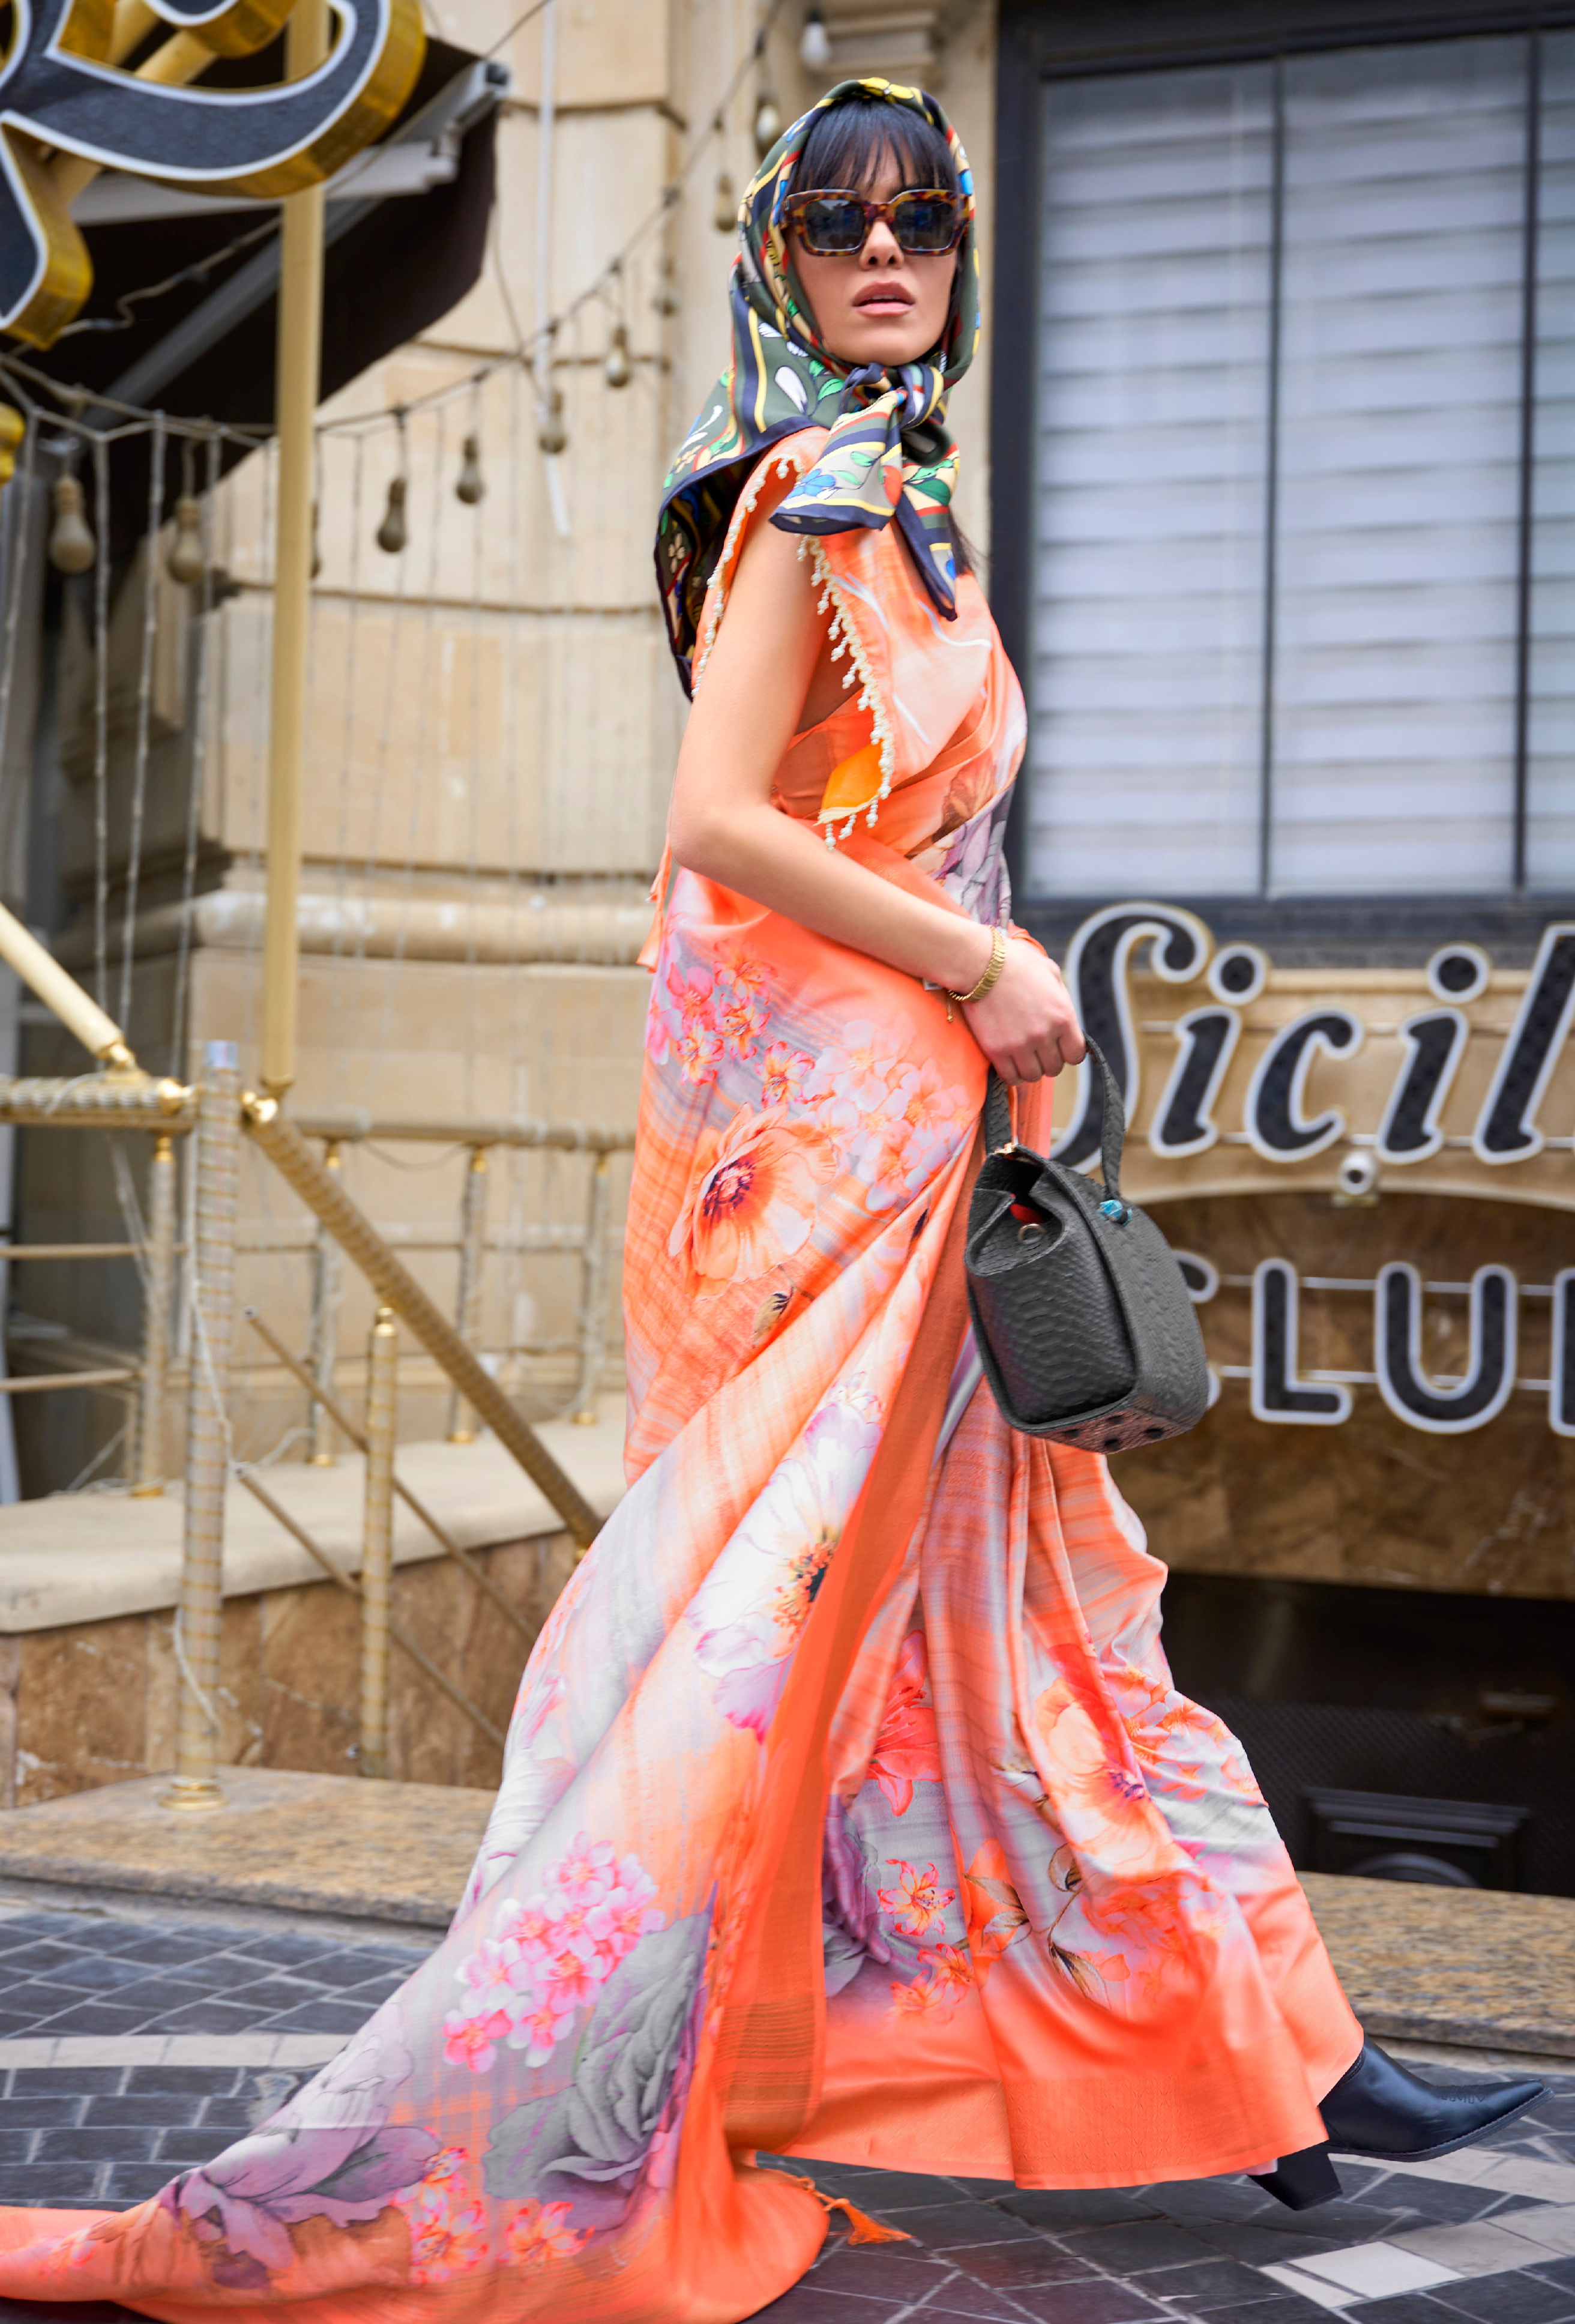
(888, 454)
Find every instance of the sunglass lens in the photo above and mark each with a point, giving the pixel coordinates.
(925, 222)
(833, 225)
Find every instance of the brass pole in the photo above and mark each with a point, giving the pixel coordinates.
(326, 1278)
(473, 1227)
(418, 1509)
(199, 1614)
(62, 994)
(323, 1194)
(297, 374)
(377, 1541)
(158, 1289)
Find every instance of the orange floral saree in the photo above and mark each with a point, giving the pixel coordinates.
(849, 1809)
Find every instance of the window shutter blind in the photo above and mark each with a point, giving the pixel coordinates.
(1550, 770)
(1151, 451)
(1399, 469)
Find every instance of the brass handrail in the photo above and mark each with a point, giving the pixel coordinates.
(277, 1135)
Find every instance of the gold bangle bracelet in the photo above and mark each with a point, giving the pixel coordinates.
(987, 983)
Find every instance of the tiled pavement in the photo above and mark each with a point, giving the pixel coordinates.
(65, 1973)
(1434, 2244)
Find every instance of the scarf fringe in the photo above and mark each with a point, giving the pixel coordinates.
(862, 2227)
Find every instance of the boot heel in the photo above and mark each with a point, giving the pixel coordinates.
(1300, 2180)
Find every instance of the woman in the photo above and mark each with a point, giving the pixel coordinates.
(848, 1808)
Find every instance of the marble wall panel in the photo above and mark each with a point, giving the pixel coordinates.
(1374, 1501)
(96, 1703)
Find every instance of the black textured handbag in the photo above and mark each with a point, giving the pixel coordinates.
(1084, 1321)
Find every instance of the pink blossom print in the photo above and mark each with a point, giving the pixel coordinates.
(548, 1956)
(539, 2231)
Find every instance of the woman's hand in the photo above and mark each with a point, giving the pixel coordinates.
(1025, 1023)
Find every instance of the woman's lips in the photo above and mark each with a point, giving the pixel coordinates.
(883, 302)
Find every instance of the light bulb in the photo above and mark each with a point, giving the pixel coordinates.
(185, 562)
(393, 533)
(552, 435)
(72, 548)
(767, 124)
(725, 217)
(665, 297)
(618, 368)
(472, 485)
(814, 47)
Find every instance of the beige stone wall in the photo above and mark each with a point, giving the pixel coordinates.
(96, 1703)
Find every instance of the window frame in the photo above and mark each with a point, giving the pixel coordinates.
(1045, 41)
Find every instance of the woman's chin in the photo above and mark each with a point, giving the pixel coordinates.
(889, 342)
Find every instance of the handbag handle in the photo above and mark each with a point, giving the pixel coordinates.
(997, 1120)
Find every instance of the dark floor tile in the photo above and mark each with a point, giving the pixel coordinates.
(1207, 2284)
(1003, 2265)
(230, 2115)
(806, 2303)
(208, 2016)
(954, 2224)
(899, 2272)
(52, 2081)
(1406, 2308)
(1284, 2308)
(321, 2017)
(374, 1991)
(110, 2143)
(1060, 2211)
(162, 2110)
(167, 1948)
(41, 2107)
(267, 1994)
(215, 1973)
(1133, 2248)
(1345, 2222)
(17, 2021)
(202, 2081)
(1558, 2271)
(285, 1946)
(51, 2186)
(95, 1972)
(1510, 2299)
(352, 1967)
(1097, 2299)
(38, 1999)
(892, 2190)
(39, 1960)
(98, 2017)
(189, 2143)
(1208, 2199)
(960, 2297)
(1259, 2245)
(134, 2182)
(16, 2145)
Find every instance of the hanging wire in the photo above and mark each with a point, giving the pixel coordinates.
(144, 714)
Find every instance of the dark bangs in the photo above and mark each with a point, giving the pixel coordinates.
(849, 143)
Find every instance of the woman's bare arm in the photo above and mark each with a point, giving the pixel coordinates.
(724, 826)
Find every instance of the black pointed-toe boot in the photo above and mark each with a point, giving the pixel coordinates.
(1378, 2110)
